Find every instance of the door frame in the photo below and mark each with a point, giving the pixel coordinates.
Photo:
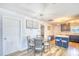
(19, 24)
(42, 30)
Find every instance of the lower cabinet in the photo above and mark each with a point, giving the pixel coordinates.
(65, 42)
(74, 38)
(62, 41)
(58, 41)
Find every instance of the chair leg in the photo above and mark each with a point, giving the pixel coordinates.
(41, 53)
(34, 52)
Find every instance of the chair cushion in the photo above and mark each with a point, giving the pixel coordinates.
(40, 48)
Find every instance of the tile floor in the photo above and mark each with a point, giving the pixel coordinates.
(72, 50)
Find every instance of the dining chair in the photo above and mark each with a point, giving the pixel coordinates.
(39, 47)
(46, 45)
(30, 45)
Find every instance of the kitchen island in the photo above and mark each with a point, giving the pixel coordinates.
(73, 37)
(62, 40)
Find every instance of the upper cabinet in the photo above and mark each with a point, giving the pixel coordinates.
(65, 27)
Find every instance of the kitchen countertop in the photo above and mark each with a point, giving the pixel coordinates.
(66, 33)
(61, 36)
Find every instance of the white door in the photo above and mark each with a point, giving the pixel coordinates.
(10, 35)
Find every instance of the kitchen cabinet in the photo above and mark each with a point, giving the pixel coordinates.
(65, 27)
(62, 41)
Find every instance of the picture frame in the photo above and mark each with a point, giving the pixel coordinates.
(35, 25)
(29, 23)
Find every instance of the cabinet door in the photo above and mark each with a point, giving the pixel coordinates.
(10, 35)
(65, 27)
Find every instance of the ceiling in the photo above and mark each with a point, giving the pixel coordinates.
(43, 11)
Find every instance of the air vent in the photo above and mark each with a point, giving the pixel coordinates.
(50, 20)
(41, 14)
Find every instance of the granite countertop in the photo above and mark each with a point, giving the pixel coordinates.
(61, 36)
(66, 33)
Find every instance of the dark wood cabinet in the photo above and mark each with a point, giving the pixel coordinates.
(74, 38)
(65, 27)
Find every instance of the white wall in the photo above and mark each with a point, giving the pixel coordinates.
(24, 32)
(33, 32)
(0, 36)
